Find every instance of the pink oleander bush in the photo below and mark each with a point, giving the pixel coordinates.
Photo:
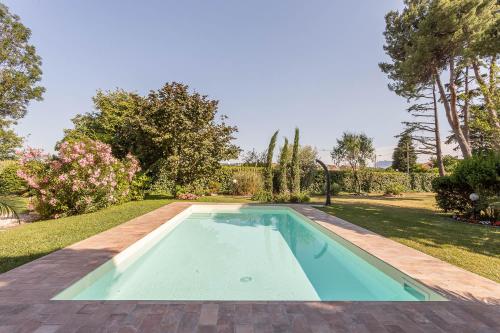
(82, 177)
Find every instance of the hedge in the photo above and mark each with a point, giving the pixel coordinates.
(371, 180)
(374, 181)
(10, 183)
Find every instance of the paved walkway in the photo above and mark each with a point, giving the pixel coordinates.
(25, 294)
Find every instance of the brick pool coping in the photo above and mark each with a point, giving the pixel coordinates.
(25, 293)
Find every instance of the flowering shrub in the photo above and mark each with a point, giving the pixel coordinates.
(83, 177)
(187, 196)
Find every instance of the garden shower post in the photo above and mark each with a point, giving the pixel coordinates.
(327, 176)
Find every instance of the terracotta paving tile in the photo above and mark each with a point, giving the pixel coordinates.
(25, 294)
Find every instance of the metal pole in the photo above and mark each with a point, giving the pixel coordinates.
(327, 176)
(408, 163)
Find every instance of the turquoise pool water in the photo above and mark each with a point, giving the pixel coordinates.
(212, 253)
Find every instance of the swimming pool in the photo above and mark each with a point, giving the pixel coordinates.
(247, 253)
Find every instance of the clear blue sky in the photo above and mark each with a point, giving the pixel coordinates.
(271, 64)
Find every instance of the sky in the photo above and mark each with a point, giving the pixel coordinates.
(271, 64)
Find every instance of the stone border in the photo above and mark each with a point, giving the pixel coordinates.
(25, 293)
(448, 280)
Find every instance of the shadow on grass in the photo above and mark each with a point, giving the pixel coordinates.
(420, 225)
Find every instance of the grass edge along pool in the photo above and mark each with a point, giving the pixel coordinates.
(246, 253)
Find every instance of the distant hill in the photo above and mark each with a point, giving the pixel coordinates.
(383, 164)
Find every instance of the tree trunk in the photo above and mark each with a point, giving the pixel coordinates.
(451, 110)
(466, 105)
(489, 104)
(437, 133)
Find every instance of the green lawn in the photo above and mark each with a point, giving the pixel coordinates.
(414, 221)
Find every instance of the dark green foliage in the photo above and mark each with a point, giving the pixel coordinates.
(174, 133)
(404, 154)
(335, 189)
(373, 181)
(19, 67)
(295, 165)
(452, 196)
(479, 174)
(263, 196)
(283, 169)
(394, 189)
(268, 172)
(299, 198)
(354, 150)
(10, 183)
(9, 141)
(308, 166)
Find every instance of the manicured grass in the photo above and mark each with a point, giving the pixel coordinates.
(414, 221)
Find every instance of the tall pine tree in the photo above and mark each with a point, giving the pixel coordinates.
(404, 157)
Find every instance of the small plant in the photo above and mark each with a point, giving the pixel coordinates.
(8, 212)
(246, 182)
(300, 197)
(263, 196)
(394, 189)
(187, 196)
(335, 189)
(281, 197)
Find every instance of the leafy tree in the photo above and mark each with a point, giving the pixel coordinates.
(431, 37)
(9, 141)
(404, 157)
(110, 122)
(308, 166)
(19, 67)
(268, 172)
(284, 161)
(425, 129)
(355, 150)
(295, 166)
(253, 158)
(449, 162)
(172, 131)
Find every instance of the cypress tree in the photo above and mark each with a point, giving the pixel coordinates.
(268, 172)
(283, 164)
(404, 153)
(295, 164)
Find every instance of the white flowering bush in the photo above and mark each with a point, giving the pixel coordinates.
(82, 177)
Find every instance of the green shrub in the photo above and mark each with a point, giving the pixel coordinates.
(300, 197)
(82, 178)
(394, 189)
(10, 182)
(452, 196)
(281, 197)
(373, 181)
(263, 196)
(246, 182)
(139, 186)
(335, 189)
(225, 176)
(479, 174)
